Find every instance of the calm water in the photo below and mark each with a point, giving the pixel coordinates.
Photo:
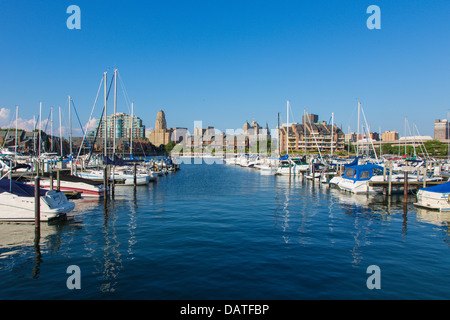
(225, 232)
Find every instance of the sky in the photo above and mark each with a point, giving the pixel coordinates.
(227, 62)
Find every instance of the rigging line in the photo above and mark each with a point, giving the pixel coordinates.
(368, 128)
(90, 117)
(45, 131)
(414, 139)
(428, 156)
(101, 118)
(76, 113)
(125, 93)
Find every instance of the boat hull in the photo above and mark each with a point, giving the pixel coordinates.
(15, 208)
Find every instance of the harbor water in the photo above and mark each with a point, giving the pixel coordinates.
(227, 232)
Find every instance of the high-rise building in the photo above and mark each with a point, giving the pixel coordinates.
(161, 135)
(125, 127)
(389, 136)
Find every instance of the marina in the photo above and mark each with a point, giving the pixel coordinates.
(275, 237)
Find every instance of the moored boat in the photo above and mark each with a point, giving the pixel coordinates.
(17, 202)
(435, 197)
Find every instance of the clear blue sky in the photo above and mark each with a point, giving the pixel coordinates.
(225, 62)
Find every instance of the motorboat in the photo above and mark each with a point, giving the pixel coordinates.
(122, 177)
(435, 197)
(17, 202)
(70, 183)
(356, 178)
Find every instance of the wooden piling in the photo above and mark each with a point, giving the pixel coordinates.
(105, 183)
(425, 177)
(37, 203)
(134, 175)
(58, 180)
(405, 186)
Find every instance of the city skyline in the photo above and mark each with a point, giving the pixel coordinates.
(224, 63)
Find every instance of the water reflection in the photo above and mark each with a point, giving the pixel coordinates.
(20, 239)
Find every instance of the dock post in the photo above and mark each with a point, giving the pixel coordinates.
(37, 203)
(405, 186)
(425, 177)
(390, 179)
(105, 184)
(58, 180)
(51, 179)
(313, 169)
(134, 175)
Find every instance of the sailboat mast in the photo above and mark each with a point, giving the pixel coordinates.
(115, 110)
(40, 121)
(34, 135)
(15, 148)
(332, 131)
(51, 127)
(70, 127)
(357, 136)
(105, 117)
(60, 133)
(287, 129)
(405, 135)
(131, 134)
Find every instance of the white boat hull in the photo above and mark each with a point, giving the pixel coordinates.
(18, 208)
(433, 200)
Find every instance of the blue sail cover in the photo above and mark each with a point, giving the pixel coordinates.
(442, 188)
(18, 188)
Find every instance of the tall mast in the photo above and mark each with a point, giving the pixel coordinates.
(287, 129)
(34, 135)
(40, 121)
(405, 135)
(15, 148)
(105, 115)
(115, 110)
(51, 127)
(332, 131)
(279, 136)
(131, 135)
(304, 129)
(70, 128)
(357, 135)
(60, 133)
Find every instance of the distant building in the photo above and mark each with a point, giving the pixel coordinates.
(389, 136)
(374, 136)
(160, 135)
(126, 127)
(350, 137)
(251, 129)
(441, 128)
(311, 136)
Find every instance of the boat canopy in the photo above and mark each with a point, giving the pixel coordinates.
(361, 172)
(441, 188)
(18, 188)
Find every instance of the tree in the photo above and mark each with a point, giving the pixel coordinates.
(168, 147)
